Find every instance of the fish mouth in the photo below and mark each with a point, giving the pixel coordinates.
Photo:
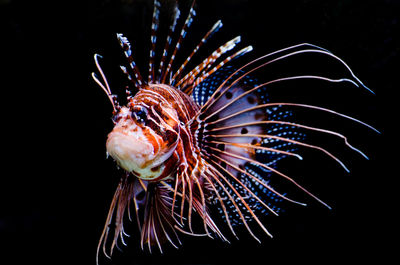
(136, 154)
(130, 153)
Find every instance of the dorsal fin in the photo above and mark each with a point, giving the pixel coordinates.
(153, 39)
(171, 31)
(126, 46)
(208, 35)
(182, 35)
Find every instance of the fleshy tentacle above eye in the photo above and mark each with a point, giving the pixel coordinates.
(228, 151)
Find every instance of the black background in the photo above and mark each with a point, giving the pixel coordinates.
(56, 183)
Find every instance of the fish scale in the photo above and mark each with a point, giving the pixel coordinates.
(209, 143)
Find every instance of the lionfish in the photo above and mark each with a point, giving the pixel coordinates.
(192, 141)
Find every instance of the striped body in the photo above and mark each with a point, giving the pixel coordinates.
(156, 118)
(192, 140)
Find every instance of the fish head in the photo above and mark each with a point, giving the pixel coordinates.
(144, 138)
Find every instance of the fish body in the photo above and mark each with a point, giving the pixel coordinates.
(192, 140)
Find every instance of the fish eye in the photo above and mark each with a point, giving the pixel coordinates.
(140, 115)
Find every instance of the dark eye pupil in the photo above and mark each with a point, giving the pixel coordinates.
(140, 116)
